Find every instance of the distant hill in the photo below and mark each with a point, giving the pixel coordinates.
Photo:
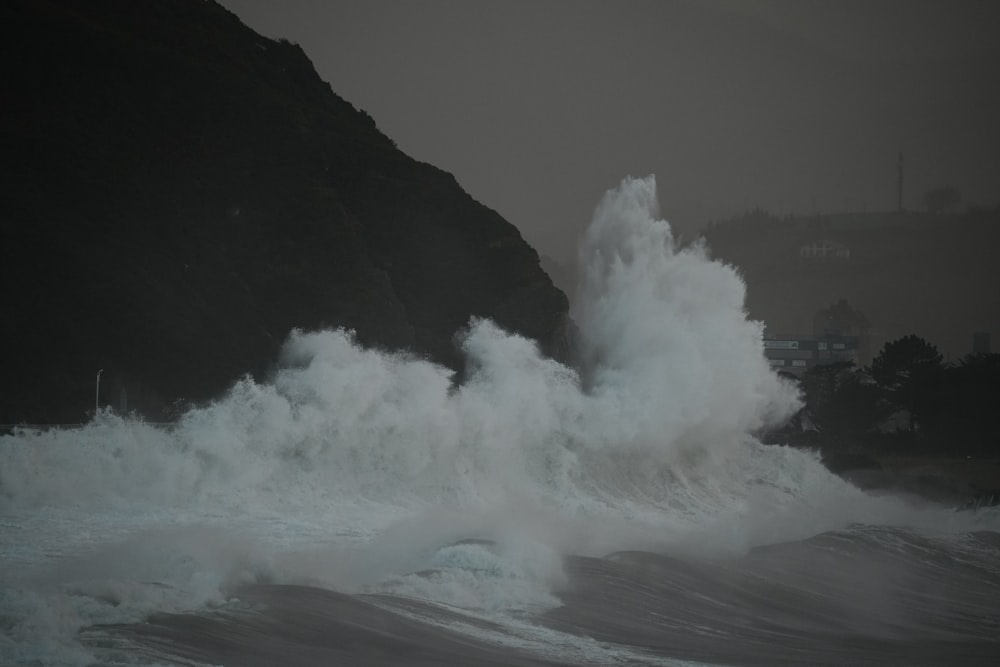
(935, 276)
(180, 192)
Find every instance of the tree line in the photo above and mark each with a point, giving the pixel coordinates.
(908, 399)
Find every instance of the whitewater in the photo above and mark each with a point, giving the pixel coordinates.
(361, 507)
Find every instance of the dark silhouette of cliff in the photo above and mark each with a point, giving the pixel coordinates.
(179, 192)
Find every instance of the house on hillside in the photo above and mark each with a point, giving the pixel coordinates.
(796, 353)
(824, 250)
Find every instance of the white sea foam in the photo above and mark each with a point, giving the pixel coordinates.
(357, 469)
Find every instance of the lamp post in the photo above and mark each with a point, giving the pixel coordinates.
(97, 395)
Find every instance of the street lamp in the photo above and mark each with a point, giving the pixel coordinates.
(97, 396)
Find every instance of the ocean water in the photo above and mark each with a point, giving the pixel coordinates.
(360, 508)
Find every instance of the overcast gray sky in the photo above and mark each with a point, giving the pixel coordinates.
(539, 107)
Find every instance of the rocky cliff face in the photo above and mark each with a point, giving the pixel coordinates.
(180, 192)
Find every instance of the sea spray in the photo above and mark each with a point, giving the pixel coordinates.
(361, 470)
(655, 431)
(665, 332)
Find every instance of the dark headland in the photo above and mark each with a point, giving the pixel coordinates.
(179, 192)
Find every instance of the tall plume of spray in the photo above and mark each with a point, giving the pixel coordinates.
(665, 333)
(672, 368)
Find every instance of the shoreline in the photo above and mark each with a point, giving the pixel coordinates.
(963, 482)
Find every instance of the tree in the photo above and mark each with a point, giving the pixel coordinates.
(910, 369)
(840, 318)
(971, 394)
(842, 400)
(942, 199)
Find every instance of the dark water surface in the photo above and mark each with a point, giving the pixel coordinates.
(863, 596)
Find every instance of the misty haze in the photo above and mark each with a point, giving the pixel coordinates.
(467, 332)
